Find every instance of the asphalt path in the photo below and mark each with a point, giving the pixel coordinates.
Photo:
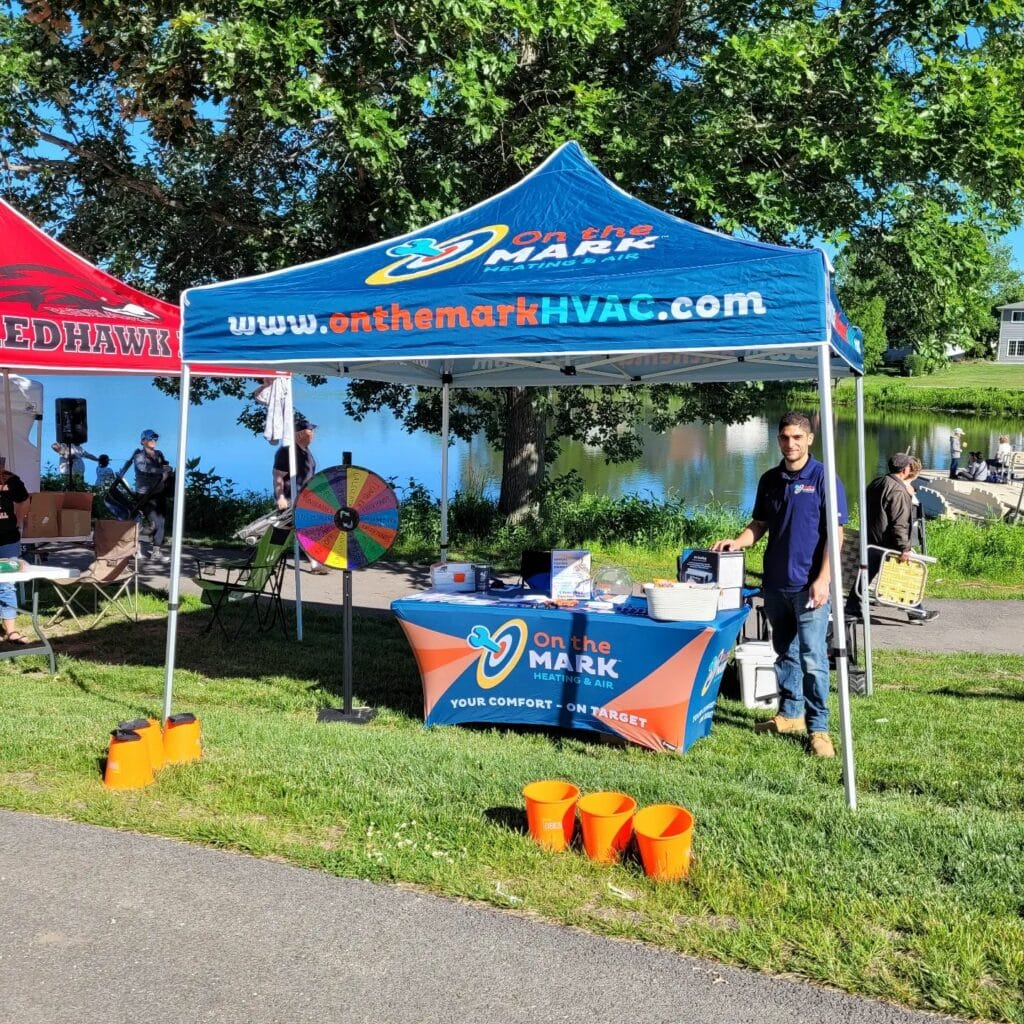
(108, 926)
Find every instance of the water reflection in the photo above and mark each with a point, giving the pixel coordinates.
(701, 462)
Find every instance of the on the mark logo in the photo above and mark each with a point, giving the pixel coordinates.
(500, 651)
(715, 669)
(421, 257)
(528, 249)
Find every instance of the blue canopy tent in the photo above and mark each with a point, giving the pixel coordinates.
(561, 279)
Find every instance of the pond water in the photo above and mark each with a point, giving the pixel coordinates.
(697, 462)
(700, 462)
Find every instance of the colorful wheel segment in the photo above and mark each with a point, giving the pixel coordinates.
(346, 517)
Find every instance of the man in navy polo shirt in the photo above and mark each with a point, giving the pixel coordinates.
(790, 508)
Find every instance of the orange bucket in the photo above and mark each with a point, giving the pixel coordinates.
(128, 764)
(607, 822)
(551, 812)
(155, 738)
(149, 730)
(181, 739)
(664, 833)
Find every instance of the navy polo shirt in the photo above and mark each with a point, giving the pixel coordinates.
(793, 506)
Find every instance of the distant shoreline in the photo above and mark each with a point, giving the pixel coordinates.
(981, 387)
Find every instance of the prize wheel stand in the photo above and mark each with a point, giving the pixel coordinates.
(346, 517)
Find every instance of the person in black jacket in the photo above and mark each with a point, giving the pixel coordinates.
(153, 482)
(890, 523)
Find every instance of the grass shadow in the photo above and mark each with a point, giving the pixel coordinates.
(511, 818)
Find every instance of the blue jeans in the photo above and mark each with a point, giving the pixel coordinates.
(798, 636)
(8, 595)
(954, 465)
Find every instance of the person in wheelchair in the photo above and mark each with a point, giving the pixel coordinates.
(890, 523)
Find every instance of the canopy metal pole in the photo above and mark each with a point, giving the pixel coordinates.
(445, 381)
(289, 439)
(838, 626)
(12, 459)
(862, 491)
(176, 541)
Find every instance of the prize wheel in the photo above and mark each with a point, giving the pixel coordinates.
(346, 517)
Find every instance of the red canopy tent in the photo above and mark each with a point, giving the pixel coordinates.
(60, 313)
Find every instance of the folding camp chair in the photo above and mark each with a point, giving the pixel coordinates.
(256, 581)
(112, 576)
(898, 584)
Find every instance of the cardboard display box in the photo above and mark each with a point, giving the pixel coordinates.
(58, 514)
(570, 575)
(74, 501)
(724, 568)
(42, 515)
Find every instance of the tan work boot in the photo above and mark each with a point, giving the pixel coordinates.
(780, 724)
(821, 745)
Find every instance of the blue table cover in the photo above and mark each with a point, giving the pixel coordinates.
(510, 661)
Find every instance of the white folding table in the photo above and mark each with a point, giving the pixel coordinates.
(30, 574)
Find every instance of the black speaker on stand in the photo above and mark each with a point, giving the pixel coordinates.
(72, 427)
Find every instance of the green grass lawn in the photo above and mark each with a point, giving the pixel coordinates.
(918, 897)
(975, 373)
(972, 374)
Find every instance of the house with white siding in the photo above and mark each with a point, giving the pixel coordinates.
(1011, 333)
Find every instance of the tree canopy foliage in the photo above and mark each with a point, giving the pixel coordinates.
(182, 144)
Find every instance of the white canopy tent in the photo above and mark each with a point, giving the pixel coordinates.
(21, 427)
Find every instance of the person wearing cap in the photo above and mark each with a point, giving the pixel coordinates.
(956, 447)
(152, 474)
(890, 523)
(305, 469)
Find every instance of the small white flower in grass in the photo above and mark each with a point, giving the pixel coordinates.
(624, 893)
(506, 895)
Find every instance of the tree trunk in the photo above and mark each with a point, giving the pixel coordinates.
(522, 466)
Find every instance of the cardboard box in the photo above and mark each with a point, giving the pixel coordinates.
(724, 568)
(729, 598)
(77, 501)
(74, 522)
(570, 575)
(42, 515)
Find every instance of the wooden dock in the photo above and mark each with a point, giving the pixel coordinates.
(941, 497)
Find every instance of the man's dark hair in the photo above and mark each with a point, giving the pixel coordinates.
(796, 419)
